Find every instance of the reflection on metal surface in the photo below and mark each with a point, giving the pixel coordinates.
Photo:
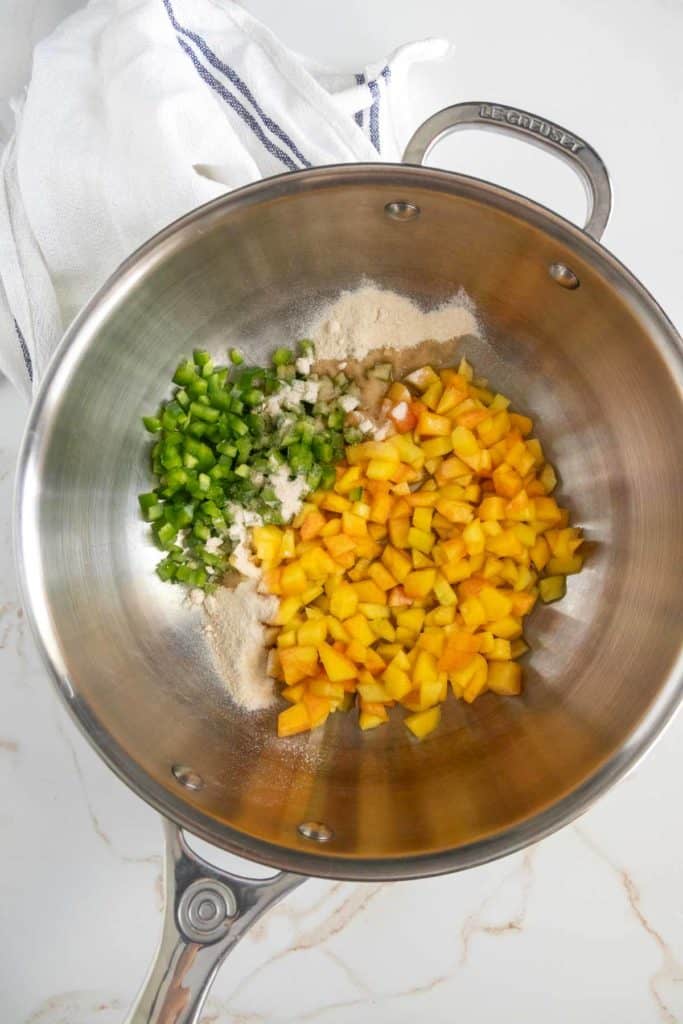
(186, 777)
(534, 129)
(206, 913)
(402, 210)
(316, 831)
(564, 276)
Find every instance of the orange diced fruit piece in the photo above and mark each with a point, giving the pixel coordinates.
(430, 424)
(369, 720)
(298, 663)
(292, 579)
(423, 722)
(318, 709)
(505, 678)
(552, 588)
(381, 576)
(337, 666)
(419, 583)
(343, 601)
(293, 720)
(398, 563)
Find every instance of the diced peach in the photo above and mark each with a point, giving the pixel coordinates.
(293, 720)
(332, 502)
(337, 666)
(423, 722)
(297, 663)
(507, 627)
(523, 424)
(478, 680)
(507, 481)
(367, 590)
(430, 424)
(398, 531)
(496, 603)
(421, 540)
(505, 678)
(322, 687)
(455, 511)
(348, 480)
(354, 525)
(433, 641)
(381, 576)
(292, 580)
(287, 610)
(312, 633)
(359, 629)
(419, 583)
(318, 709)
(397, 563)
(293, 693)
(344, 601)
(380, 508)
(340, 545)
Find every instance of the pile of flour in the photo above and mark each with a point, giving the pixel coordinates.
(372, 318)
(236, 632)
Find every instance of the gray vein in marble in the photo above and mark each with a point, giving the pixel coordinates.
(475, 923)
(671, 969)
(338, 919)
(357, 902)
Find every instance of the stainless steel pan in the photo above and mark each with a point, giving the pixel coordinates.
(571, 336)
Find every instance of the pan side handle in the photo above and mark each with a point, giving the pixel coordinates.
(539, 132)
(206, 913)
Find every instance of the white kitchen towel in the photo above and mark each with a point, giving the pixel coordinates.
(138, 111)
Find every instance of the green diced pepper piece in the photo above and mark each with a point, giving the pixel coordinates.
(204, 412)
(201, 357)
(166, 570)
(166, 535)
(185, 374)
(282, 357)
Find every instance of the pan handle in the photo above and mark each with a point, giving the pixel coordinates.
(206, 913)
(536, 130)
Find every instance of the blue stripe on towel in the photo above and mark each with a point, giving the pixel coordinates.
(374, 114)
(358, 116)
(24, 351)
(239, 84)
(239, 109)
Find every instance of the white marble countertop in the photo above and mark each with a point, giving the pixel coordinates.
(586, 926)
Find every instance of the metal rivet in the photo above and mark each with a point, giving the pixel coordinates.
(563, 275)
(205, 910)
(401, 210)
(316, 831)
(186, 777)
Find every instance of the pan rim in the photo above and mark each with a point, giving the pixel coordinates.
(324, 862)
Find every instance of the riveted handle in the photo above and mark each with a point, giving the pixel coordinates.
(207, 911)
(534, 129)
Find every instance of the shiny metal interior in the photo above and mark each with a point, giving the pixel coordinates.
(599, 367)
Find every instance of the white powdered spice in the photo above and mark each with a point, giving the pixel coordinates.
(236, 632)
(372, 318)
(288, 492)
